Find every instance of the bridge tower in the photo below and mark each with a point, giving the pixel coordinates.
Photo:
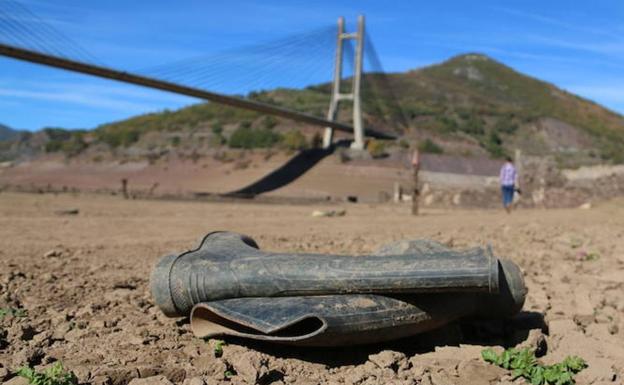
(354, 95)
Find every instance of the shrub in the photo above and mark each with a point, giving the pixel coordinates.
(75, 145)
(217, 127)
(119, 136)
(294, 140)
(376, 148)
(246, 137)
(57, 134)
(505, 125)
(71, 143)
(429, 146)
(216, 140)
(316, 141)
(269, 122)
(494, 145)
(446, 124)
(53, 146)
(473, 125)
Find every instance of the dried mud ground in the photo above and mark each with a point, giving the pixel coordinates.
(83, 280)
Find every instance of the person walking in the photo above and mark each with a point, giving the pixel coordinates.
(508, 182)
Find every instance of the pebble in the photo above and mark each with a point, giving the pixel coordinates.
(389, 359)
(249, 365)
(536, 341)
(61, 330)
(53, 254)
(155, 380)
(17, 381)
(194, 381)
(329, 213)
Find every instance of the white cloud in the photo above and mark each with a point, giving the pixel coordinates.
(606, 48)
(110, 97)
(559, 23)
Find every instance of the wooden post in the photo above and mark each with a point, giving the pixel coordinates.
(415, 189)
(396, 197)
(124, 188)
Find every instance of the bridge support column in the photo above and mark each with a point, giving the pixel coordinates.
(328, 136)
(354, 95)
(358, 129)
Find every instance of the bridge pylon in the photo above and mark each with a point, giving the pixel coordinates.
(354, 95)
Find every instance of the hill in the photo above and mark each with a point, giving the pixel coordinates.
(7, 133)
(475, 96)
(468, 105)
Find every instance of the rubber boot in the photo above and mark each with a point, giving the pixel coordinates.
(229, 265)
(352, 319)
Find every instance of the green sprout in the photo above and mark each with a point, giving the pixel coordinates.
(592, 256)
(54, 375)
(15, 312)
(523, 363)
(218, 349)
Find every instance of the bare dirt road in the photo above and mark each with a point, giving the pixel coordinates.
(83, 280)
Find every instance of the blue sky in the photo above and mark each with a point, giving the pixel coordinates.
(577, 45)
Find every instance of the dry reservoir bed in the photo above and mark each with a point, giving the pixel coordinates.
(83, 280)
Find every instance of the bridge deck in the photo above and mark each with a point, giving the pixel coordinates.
(126, 77)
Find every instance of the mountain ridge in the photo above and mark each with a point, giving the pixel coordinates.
(469, 104)
(8, 133)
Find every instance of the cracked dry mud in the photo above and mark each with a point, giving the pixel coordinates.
(83, 280)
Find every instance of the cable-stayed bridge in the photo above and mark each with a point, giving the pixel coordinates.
(328, 61)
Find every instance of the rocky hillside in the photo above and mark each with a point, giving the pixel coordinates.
(468, 105)
(475, 97)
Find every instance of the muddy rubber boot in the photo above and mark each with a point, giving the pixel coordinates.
(229, 265)
(351, 319)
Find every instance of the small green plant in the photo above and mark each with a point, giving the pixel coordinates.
(576, 243)
(228, 374)
(15, 312)
(584, 255)
(54, 375)
(523, 363)
(429, 146)
(218, 349)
